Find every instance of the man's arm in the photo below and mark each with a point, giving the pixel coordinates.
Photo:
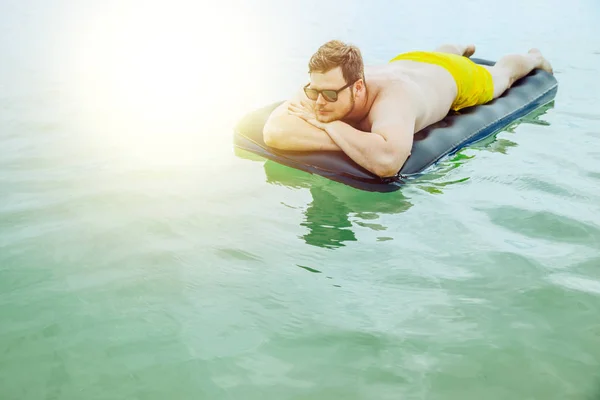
(385, 149)
(289, 132)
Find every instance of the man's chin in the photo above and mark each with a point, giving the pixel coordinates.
(326, 118)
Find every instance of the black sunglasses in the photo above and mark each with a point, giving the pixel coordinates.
(330, 95)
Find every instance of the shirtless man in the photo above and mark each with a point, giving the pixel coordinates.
(372, 113)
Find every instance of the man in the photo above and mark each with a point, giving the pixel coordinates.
(372, 113)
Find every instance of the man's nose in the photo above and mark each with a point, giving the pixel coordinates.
(321, 100)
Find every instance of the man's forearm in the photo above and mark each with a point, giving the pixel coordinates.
(369, 150)
(288, 132)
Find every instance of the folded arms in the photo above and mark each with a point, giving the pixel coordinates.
(382, 151)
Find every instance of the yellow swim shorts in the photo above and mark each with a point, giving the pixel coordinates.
(475, 83)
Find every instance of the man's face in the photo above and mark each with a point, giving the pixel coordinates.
(327, 111)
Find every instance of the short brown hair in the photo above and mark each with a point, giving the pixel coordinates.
(338, 54)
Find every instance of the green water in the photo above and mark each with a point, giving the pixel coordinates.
(142, 258)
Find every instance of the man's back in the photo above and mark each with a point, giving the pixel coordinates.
(429, 88)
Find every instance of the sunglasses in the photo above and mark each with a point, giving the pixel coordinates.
(330, 95)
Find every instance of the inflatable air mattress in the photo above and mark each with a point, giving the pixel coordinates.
(430, 145)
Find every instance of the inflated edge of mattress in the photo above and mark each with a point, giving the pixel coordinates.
(517, 102)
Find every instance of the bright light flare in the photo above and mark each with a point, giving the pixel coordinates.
(155, 78)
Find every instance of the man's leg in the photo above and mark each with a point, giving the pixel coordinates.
(461, 50)
(513, 67)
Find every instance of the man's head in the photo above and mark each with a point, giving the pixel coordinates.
(336, 80)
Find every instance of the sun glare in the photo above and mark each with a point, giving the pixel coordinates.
(157, 76)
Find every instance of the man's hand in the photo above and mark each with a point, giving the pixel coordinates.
(307, 113)
(286, 131)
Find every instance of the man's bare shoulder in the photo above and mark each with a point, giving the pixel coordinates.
(392, 105)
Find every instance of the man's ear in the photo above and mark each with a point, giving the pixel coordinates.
(359, 85)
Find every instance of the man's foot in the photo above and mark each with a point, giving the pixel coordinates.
(469, 50)
(542, 62)
(458, 49)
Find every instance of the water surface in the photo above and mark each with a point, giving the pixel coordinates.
(141, 257)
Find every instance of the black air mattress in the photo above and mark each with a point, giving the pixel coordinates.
(431, 144)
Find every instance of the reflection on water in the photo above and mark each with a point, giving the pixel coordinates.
(328, 216)
(492, 143)
(327, 221)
